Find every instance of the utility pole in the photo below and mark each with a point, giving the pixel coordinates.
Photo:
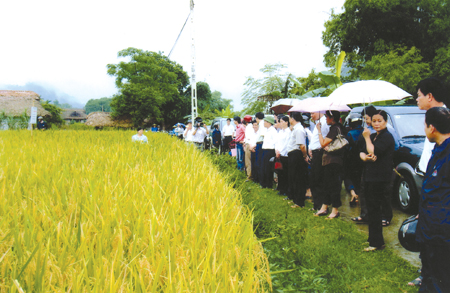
(193, 80)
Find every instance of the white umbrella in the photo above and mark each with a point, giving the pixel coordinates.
(367, 91)
(318, 104)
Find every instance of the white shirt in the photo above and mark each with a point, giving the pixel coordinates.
(270, 138)
(188, 134)
(249, 131)
(141, 138)
(308, 133)
(228, 130)
(199, 136)
(261, 131)
(426, 155)
(296, 138)
(282, 141)
(315, 142)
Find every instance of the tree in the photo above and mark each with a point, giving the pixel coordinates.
(151, 88)
(401, 67)
(272, 84)
(55, 111)
(218, 103)
(98, 105)
(369, 28)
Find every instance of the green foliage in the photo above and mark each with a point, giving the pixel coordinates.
(219, 103)
(401, 67)
(151, 88)
(272, 83)
(14, 122)
(311, 254)
(367, 29)
(98, 105)
(226, 113)
(55, 119)
(61, 105)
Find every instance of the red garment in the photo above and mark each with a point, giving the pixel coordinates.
(240, 133)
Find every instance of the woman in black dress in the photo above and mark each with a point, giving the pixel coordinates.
(332, 166)
(377, 155)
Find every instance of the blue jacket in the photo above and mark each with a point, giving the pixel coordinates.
(434, 207)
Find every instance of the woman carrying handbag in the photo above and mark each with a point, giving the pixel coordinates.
(332, 161)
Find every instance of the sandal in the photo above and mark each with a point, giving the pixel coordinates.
(416, 282)
(359, 220)
(385, 223)
(320, 214)
(335, 216)
(371, 248)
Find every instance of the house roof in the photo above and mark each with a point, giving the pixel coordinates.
(15, 103)
(74, 114)
(103, 119)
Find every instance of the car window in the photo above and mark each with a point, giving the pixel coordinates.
(409, 125)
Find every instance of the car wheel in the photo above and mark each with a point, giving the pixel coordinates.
(407, 195)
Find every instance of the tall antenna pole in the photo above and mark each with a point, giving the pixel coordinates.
(193, 80)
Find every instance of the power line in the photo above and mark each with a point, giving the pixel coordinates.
(168, 56)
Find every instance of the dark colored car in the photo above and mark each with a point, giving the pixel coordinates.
(408, 121)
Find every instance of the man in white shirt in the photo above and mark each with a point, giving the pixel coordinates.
(139, 136)
(227, 134)
(315, 157)
(268, 152)
(259, 117)
(430, 93)
(199, 134)
(248, 132)
(251, 140)
(188, 133)
(297, 166)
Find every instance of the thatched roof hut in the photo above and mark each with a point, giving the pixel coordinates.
(103, 119)
(78, 115)
(15, 103)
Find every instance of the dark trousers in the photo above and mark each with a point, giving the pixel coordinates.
(283, 176)
(435, 267)
(297, 173)
(332, 185)
(253, 166)
(316, 178)
(374, 192)
(266, 179)
(226, 144)
(256, 174)
(386, 205)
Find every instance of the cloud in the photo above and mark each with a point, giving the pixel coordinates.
(46, 93)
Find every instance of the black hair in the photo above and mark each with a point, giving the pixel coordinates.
(279, 116)
(369, 111)
(216, 126)
(140, 128)
(434, 86)
(439, 117)
(259, 115)
(334, 114)
(228, 119)
(238, 119)
(254, 121)
(382, 113)
(297, 116)
(285, 119)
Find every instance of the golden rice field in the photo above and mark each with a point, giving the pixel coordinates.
(90, 211)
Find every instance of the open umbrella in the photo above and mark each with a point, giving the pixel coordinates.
(367, 91)
(283, 105)
(318, 104)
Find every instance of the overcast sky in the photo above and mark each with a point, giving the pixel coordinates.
(64, 46)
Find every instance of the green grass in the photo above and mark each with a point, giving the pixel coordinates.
(312, 254)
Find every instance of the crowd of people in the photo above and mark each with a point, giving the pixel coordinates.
(300, 152)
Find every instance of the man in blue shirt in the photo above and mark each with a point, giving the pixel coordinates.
(433, 229)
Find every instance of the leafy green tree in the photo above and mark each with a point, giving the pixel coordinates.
(369, 28)
(55, 112)
(98, 105)
(401, 67)
(219, 103)
(226, 113)
(271, 85)
(151, 88)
